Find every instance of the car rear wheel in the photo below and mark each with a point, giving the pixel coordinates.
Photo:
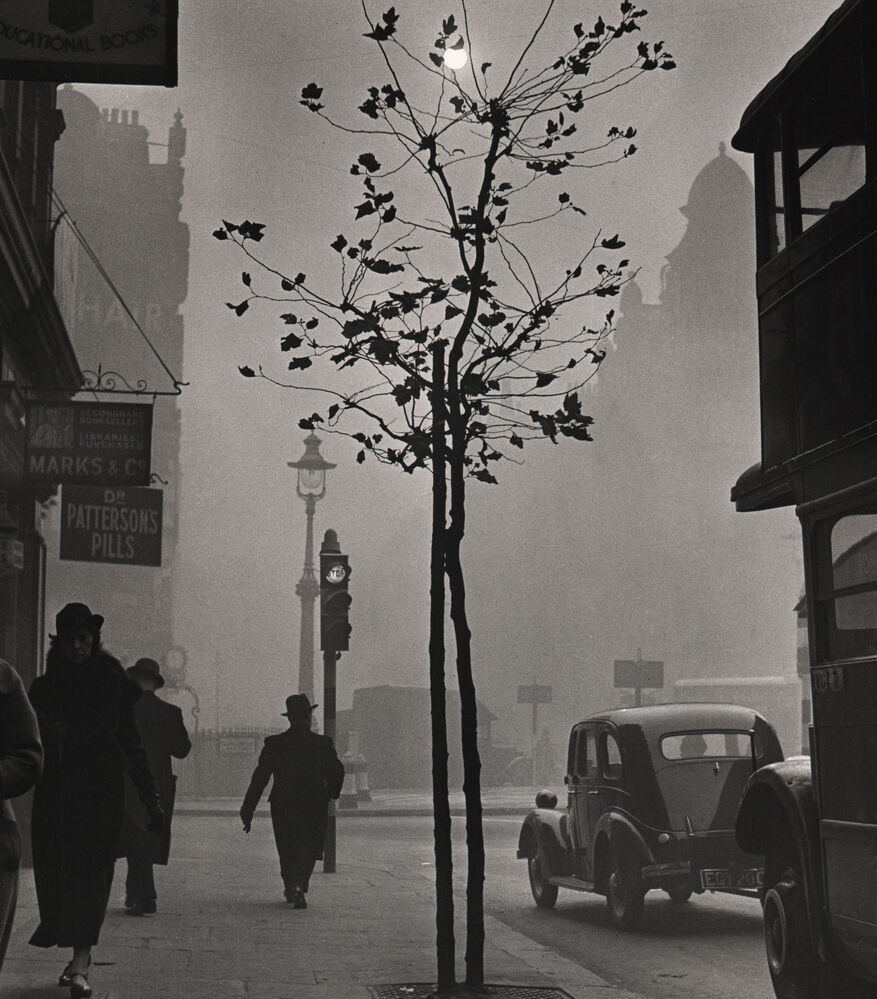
(795, 970)
(625, 893)
(544, 894)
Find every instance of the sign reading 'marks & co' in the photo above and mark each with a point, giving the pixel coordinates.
(88, 443)
(122, 526)
(89, 41)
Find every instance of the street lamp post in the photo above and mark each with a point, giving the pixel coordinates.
(310, 486)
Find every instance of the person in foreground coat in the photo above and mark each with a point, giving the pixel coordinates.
(163, 734)
(21, 763)
(307, 774)
(85, 707)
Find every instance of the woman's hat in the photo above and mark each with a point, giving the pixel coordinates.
(298, 706)
(76, 617)
(148, 668)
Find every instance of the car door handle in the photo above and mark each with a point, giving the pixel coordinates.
(594, 793)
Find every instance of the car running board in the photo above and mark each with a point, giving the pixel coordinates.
(575, 883)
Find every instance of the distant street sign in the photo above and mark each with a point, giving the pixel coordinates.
(639, 673)
(534, 693)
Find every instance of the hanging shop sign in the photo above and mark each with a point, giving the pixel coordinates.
(88, 443)
(122, 526)
(11, 554)
(89, 41)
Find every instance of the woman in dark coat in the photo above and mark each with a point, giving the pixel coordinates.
(84, 703)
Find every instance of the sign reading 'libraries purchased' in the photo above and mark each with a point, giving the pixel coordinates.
(111, 525)
(89, 41)
(88, 443)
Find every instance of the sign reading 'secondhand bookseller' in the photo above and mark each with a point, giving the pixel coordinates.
(111, 525)
(89, 41)
(88, 443)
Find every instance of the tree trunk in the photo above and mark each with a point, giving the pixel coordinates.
(444, 916)
(469, 723)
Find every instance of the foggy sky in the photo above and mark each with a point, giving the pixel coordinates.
(254, 153)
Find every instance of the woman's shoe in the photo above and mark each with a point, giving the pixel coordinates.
(66, 974)
(79, 987)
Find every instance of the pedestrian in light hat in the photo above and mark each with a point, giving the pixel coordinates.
(164, 735)
(85, 708)
(307, 774)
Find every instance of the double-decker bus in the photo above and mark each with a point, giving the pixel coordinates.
(813, 133)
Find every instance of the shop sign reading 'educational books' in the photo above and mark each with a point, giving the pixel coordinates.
(111, 525)
(88, 443)
(89, 41)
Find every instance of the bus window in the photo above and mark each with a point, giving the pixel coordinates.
(852, 627)
(770, 203)
(829, 132)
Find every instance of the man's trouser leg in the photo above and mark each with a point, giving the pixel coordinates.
(140, 882)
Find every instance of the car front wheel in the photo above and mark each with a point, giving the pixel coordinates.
(544, 894)
(625, 894)
(679, 896)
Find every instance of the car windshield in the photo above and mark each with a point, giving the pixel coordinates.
(702, 774)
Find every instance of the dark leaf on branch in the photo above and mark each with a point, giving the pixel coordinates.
(579, 30)
(459, 103)
(240, 309)
(247, 372)
(449, 26)
(366, 208)
(360, 457)
(368, 161)
(485, 476)
(438, 294)
(290, 342)
(220, 234)
(300, 278)
(457, 45)
(614, 243)
(312, 324)
(299, 362)
(563, 198)
(451, 311)
(389, 214)
(246, 279)
(312, 92)
(382, 266)
(251, 230)
(501, 216)
(485, 66)
(339, 244)
(370, 108)
(544, 378)
(668, 64)
(333, 411)
(460, 283)
(289, 318)
(286, 285)
(437, 59)
(516, 441)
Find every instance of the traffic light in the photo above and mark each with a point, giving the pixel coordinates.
(334, 602)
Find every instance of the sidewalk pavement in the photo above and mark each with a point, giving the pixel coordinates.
(221, 930)
(386, 801)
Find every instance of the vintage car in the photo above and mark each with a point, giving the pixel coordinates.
(652, 796)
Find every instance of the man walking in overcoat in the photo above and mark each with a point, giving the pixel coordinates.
(163, 735)
(307, 774)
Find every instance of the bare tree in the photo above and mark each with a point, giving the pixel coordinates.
(468, 347)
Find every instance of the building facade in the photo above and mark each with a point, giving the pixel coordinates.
(126, 201)
(36, 354)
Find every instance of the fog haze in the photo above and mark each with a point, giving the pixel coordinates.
(583, 554)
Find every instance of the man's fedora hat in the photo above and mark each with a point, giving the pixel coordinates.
(298, 706)
(147, 668)
(76, 617)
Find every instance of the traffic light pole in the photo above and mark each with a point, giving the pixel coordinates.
(330, 657)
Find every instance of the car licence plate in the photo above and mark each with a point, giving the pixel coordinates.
(724, 878)
(716, 878)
